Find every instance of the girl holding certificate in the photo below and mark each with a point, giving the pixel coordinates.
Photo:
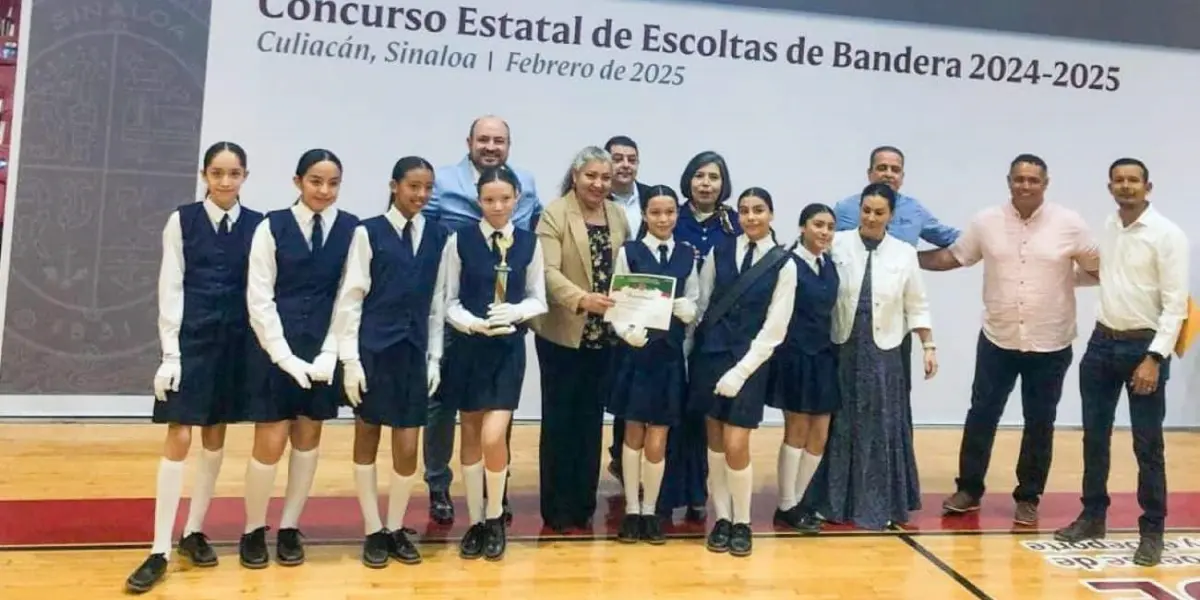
(495, 283)
(390, 317)
(649, 379)
(804, 369)
(747, 291)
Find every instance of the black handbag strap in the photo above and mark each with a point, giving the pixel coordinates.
(774, 257)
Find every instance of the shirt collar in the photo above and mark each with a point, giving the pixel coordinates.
(215, 212)
(813, 260)
(306, 214)
(488, 230)
(653, 243)
(398, 221)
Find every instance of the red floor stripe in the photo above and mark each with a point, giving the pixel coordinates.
(129, 520)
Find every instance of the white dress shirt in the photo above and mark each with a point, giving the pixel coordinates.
(170, 274)
(812, 260)
(356, 284)
(691, 288)
(632, 204)
(260, 285)
(532, 305)
(898, 300)
(779, 311)
(1144, 277)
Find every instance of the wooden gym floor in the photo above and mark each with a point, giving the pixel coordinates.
(76, 509)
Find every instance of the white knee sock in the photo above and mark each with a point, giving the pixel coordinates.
(206, 483)
(631, 467)
(398, 495)
(169, 488)
(366, 481)
(741, 488)
(718, 485)
(789, 469)
(260, 482)
(473, 479)
(495, 492)
(808, 467)
(302, 468)
(652, 476)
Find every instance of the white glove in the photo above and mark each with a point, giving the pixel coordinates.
(433, 375)
(297, 369)
(503, 314)
(167, 378)
(730, 383)
(482, 326)
(354, 381)
(684, 310)
(323, 367)
(634, 336)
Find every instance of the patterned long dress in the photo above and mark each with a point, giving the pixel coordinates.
(868, 476)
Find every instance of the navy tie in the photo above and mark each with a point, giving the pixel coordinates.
(318, 234)
(748, 260)
(223, 228)
(406, 238)
(662, 254)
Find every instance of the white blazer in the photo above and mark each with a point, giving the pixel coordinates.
(898, 295)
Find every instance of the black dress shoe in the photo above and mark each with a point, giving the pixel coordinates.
(1082, 529)
(496, 541)
(403, 549)
(652, 530)
(147, 575)
(471, 546)
(718, 538)
(441, 508)
(741, 540)
(289, 550)
(252, 549)
(376, 549)
(508, 514)
(809, 523)
(1149, 551)
(197, 549)
(695, 514)
(789, 518)
(631, 529)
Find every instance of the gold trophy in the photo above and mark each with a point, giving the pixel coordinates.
(503, 243)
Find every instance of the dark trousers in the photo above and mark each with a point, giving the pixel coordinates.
(614, 451)
(1106, 368)
(996, 372)
(574, 384)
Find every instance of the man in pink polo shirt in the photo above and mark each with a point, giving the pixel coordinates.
(1031, 250)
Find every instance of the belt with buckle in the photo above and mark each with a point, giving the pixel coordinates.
(1133, 335)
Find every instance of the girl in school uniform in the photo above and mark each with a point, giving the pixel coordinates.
(296, 262)
(487, 350)
(650, 380)
(203, 330)
(390, 317)
(705, 219)
(747, 292)
(804, 369)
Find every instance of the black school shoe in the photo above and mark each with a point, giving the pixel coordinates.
(147, 575)
(252, 549)
(289, 550)
(631, 529)
(195, 548)
(652, 530)
(377, 549)
(471, 546)
(403, 549)
(718, 538)
(741, 541)
(496, 541)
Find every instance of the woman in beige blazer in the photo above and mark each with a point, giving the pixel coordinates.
(580, 233)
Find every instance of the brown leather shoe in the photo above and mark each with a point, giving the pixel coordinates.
(1026, 513)
(960, 503)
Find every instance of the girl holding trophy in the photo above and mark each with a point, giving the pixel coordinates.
(495, 283)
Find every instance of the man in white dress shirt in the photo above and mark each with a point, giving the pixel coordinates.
(1143, 303)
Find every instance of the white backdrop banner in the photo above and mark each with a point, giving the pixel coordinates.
(793, 100)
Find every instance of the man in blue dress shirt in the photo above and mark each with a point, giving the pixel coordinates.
(911, 221)
(455, 205)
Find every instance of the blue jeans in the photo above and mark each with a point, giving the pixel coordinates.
(1106, 368)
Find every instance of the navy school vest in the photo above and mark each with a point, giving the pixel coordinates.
(812, 316)
(397, 307)
(738, 327)
(214, 269)
(477, 280)
(306, 283)
(679, 265)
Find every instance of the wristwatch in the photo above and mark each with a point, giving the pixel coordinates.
(1158, 358)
